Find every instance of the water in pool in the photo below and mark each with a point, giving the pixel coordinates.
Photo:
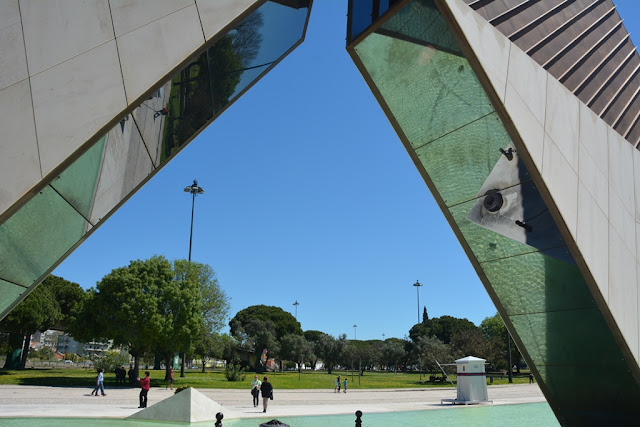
(529, 414)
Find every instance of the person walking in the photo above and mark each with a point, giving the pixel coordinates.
(145, 385)
(170, 381)
(267, 393)
(99, 384)
(345, 384)
(337, 385)
(255, 390)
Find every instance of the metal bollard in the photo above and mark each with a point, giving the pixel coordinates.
(219, 417)
(358, 418)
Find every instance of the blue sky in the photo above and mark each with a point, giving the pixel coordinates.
(309, 196)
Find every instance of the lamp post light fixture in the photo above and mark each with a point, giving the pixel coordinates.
(193, 189)
(296, 304)
(417, 285)
(355, 332)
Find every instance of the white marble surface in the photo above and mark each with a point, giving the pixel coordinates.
(593, 135)
(623, 294)
(531, 132)
(58, 30)
(593, 179)
(621, 176)
(19, 161)
(13, 62)
(562, 183)
(75, 99)
(562, 119)
(593, 238)
(622, 222)
(150, 52)
(216, 14)
(527, 77)
(129, 15)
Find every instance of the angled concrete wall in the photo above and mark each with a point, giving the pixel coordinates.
(96, 97)
(539, 190)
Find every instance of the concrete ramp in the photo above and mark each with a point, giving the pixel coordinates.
(188, 406)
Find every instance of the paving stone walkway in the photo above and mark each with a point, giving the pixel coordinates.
(37, 401)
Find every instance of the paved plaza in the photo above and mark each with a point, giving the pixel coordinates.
(38, 401)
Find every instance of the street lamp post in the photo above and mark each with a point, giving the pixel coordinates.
(417, 285)
(296, 304)
(193, 189)
(355, 332)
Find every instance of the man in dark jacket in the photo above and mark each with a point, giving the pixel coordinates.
(267, 393)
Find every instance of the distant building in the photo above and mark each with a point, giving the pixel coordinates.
(68, 345)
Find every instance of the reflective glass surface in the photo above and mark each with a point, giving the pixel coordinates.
(9, 293)
(544, 283)
(37, 236)
(431, 92)
(77, 183)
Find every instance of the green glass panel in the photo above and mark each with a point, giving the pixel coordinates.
(421, 22)
(9, 293)
(535, 283)
(37, 236)
(459, 162)
(614, 387)
(430, 92)
(485, 244)
(566, 337)
(77, 183)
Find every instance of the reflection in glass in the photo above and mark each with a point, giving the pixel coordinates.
(9, 293)
(78, 182)
(37, 236)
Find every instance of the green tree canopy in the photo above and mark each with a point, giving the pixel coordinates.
(283, 321)
(51, 304)
(443, 328)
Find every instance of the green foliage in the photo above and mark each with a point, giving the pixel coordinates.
(44, 353)
(110, 361)
(393, 352)
(428, 350)
(234, 373)
(494, 329)
(283, 322)
(443, 328)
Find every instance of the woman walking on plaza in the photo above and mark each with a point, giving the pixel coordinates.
(255, 390)
(267, 393)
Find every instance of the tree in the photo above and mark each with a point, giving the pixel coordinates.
(215, 302)
(329, 349)
(143, 307)
(295, 348)
(474, 343)
(443, 327)
(393, 351)
(283, 322)
(429, 350)
(494, 329)
(256, 335)
(51, 304)
(313, 338)
(425, 316)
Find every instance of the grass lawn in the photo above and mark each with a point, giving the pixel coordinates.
(216, 379)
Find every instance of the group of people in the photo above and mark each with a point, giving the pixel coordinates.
(337, 384)
(121, 374)
(263, 387)
(145, 384)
